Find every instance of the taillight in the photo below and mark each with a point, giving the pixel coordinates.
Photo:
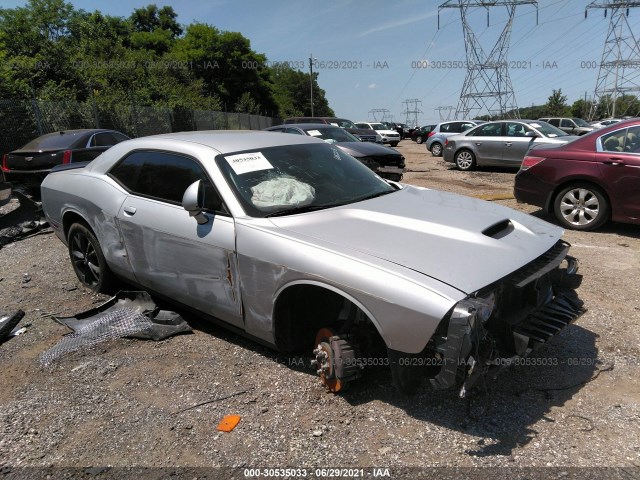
(5, 168)
(446, 142)
(66, 156)
(431, 134)
(529, 162)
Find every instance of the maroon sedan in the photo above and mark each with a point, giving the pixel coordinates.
(586, 182)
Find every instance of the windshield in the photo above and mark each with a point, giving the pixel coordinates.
(548, 130)
(345, 123)
(378, 126)
(580, 122)
(295, 178)
(331, 135)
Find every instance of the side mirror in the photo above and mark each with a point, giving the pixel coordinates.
(531, 134)
(193, 200)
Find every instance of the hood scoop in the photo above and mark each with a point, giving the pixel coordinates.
(499, 230)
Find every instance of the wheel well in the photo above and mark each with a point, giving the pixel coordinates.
(69, 219)
(302, 310)
(552, 198)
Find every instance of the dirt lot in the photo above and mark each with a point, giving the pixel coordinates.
(576, 405)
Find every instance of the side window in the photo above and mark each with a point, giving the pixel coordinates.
(164, 176)
(456, 127)
(105, 139)
(554, 121)
(466, 126)
(488, 130)
(632, 142)
(445, 127)
(513, 129)
(614, 141)
(566, 123)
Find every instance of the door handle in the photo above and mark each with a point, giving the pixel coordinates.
(508, 144)
(614, 161)
(130, 210)
(478, 143)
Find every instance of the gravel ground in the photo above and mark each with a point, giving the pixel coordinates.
(576, 404)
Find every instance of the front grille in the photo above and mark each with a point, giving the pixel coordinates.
(368, 138)
(389, 160)
(541, 265)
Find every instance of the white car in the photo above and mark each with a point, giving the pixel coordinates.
(388, 136)
(605, 123)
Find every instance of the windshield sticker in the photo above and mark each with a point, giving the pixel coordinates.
(314, 133)
(535, 125)
(248, 162)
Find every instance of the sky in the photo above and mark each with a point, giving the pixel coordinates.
(381, 48)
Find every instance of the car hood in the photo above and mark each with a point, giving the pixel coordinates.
(367, 148)
(435, 233)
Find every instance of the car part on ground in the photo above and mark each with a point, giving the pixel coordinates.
(128, 314)
(8, 322)
(298, 277)
(502, 143)
(25, 220)
(587, 182)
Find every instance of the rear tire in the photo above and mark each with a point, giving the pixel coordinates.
(87, 259)
(436, 149)
(418, 139)
(465, 160)
(581, 206)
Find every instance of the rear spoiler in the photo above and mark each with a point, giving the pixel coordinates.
(69, 166)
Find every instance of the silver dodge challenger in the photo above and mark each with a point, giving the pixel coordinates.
(290, 241)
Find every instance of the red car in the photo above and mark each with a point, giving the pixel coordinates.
(586, 182)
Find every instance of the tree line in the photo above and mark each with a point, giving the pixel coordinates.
(50, 50)
(557, 106)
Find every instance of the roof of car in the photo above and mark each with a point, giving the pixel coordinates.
(226, 141)
(304, 125)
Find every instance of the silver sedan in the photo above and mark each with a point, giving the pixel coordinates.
(292, 242)
(500, 143)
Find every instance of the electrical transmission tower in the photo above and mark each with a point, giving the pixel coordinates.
(448, 109)
(487, 86)
(620, 66)
(383, 112)
(411, 111)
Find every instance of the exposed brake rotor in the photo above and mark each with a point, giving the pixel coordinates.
(335, 360)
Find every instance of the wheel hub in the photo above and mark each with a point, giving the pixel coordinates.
(335, 360)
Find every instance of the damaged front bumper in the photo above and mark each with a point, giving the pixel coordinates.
(504, 322)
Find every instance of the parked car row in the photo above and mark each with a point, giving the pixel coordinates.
(385, 161)
(500, 143)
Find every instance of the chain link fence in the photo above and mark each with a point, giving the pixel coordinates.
(24, 120)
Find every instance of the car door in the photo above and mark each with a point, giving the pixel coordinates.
(516, 143)
(567, 125)
(618, 158)
(487, 143)
(169, 252)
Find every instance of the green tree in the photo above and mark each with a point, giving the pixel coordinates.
(293, 94)
(580, 108)
(227, 65)
(557, 104)
(154, 30)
